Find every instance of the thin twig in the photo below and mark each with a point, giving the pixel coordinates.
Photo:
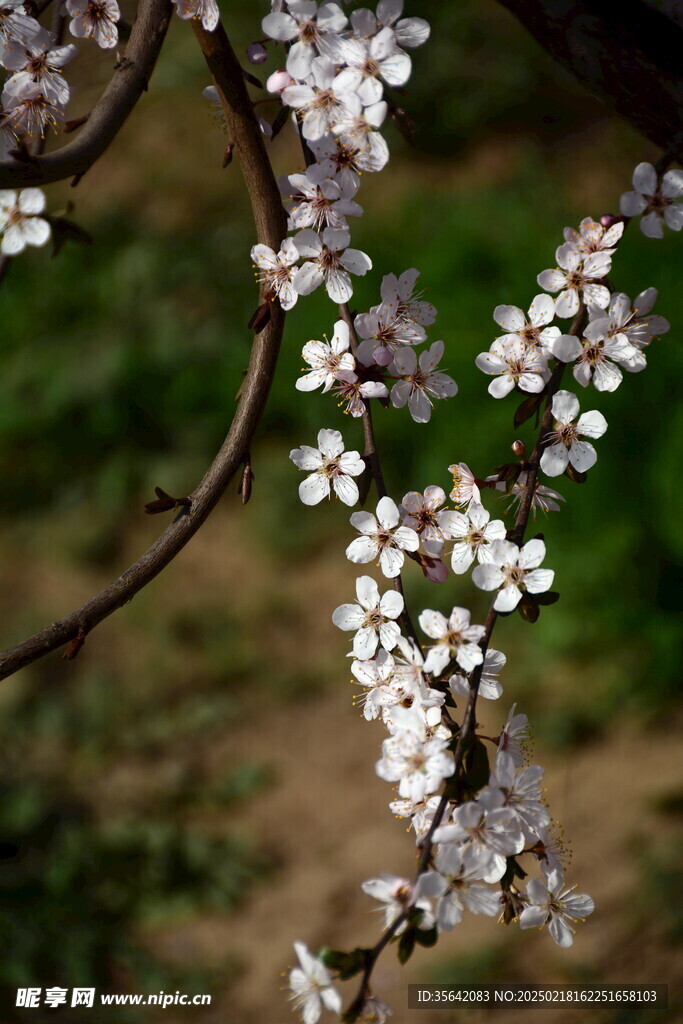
(269, 219)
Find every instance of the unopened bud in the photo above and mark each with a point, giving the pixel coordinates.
(278, 82)
(257, 53)
(227, 155)
(608, 219)
(519, 448)
(382, 356)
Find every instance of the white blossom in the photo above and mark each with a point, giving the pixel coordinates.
(463, 888)
(455, 637)
(369, 60)
(205, 11)
(28, 111)
(473, 533)
(398, 895)
(465, 487)
(513, 364)
(36, 63)
(94, 19)
(489, 686)
(372, 618)
(328, 259)
(519, 790)
(330, 468)
(564, 443)
(420, 382)
(313, 28)
(311, 986)
(277, 270)
(320, 105)
(359, 133)
(544, 498)
(384, 331)
(575, 279)
(593, 237)
(512, 740)
(326, 360)
(409, 32)
(532, 329)
(318, 201)
(354, 393)
(382, 538)
(375, 674)
(20, 223)
(620, 334)
(419, 764)
(400, 291)
(512, 571)
(420, 513)
(551, 903)
(490, 836)
(16, 26)
(657, 200)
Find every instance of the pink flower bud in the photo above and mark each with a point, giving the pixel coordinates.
(278, 82)
(434, 568)
(257, 53)
(519, 448)
(608, 219)
(382, 356)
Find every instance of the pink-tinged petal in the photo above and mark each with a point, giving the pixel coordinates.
(461, 558)
(431, 357)
(391, 561)
(348, 616)
(406, 538)
(365, 643)
(391, 604)
(364, 522)
(507, 599)
(314, 489)
(367, 592)
(279, 26)
(387, 513)
(632, 204)
(672, 184)
(435, 496)
(307, 278)
(607, 376)
(645, 179)
(419, 406)
(346, 489)
(567, 303)
(533, 917)
(582, 456)
(389, 632)
(489, 362)
(338, 286)
(510, 318)
(542, 310)
(306, 457)
(673, 217)
(501, 386)
(488, 577)
(591, 424)
(565, 407)
(540, 580)
(554, 460)
(596, 294)
(330, 443)
(356, 262)
(552, 280)
(362, 549)
(532, 554)
(531, 382)
(652, 226)
(566, 348)
(598, 264)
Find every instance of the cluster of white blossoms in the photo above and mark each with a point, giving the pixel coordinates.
(480, 825)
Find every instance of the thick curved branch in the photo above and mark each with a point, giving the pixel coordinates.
(131, 78)
(270, 221)
(628, 54)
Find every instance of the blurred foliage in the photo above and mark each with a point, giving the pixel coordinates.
(121, 361)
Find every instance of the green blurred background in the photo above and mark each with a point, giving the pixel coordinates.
(151, 813)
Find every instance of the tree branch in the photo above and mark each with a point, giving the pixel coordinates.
(131, 78)
(270, 221)
(629, 55)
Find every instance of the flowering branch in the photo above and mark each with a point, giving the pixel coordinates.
(269, 221)
(129, 81)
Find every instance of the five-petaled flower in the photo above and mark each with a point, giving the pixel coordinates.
(564, 444)
(372, 618)
(382, 538)
(656, 199)
(512, 571)
(330, 467)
